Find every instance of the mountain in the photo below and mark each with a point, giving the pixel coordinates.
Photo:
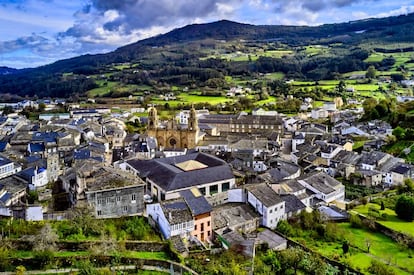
(7, 70)
(183, 48)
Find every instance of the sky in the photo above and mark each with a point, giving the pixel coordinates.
(39, 32)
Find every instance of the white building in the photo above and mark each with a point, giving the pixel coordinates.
(325, 187)
(173, 218)
(267, 202)
(7, 167)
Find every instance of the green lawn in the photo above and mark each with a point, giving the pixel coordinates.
(382, 248)
(130, 254)
(275, 76)
(358, 144)
(392, 221)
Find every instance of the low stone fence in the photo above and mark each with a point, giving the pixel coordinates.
(104, 261)
(85, 245)
(395, 235)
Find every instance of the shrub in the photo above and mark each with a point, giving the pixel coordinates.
(404, 208)
(355, 221)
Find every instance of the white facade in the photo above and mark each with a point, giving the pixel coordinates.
(39, 179)
(338, 194)
(208, 189)
(271, 215)
(8, 169)
(319, 113)
(168, 230)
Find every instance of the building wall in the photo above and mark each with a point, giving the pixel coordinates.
(117, 202)
(208, 189)
(270, 215)
(397, 179)
(155, 212)
(7, 170)
(203, 227)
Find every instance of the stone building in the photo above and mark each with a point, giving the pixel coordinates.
(114, 193)
(173, 135)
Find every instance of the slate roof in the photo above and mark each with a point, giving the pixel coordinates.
(176, 211)
(265, 194)
(321, 182)
(5, 197)
(3, 145)
(402, 168)
(368, 173)
(165, 174)
(196, 202)
(36, 147)
(45, 136)
(373, 157)
(292, 203)
(347, 157)
(30, 172)
(82, 154)
(288, 187)
(4, 161)
(282, 170)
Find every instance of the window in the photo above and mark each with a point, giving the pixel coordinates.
(133, 198)
(208, 223)
(202, 227)
(208, 233)
(125, 209)
(202, 190)
(225, 186)
(99, 212)
(213, 189)
(271, 211)
(118, 198)
(195, 227)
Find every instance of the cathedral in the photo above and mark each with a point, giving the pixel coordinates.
(171, 134)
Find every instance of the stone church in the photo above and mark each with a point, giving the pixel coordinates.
(174, 135)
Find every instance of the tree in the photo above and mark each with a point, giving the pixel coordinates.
(399, 132)
(291, 258)
(8, 110)
(371, 72)
(368, 243)
(46, 239)
(345, 247)
(404, 207)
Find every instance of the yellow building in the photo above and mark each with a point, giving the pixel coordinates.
(171, 134)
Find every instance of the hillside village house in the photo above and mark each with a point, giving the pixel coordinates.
(113, 193)
(201, 211)
(326, 188)
(173, 218)
(8, 167)
(167, 177)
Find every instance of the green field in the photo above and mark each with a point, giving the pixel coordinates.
(392, 220)
(382, 248)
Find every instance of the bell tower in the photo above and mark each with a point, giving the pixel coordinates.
(192, 120)
(152, 118)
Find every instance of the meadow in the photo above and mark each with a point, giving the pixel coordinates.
(381, 248)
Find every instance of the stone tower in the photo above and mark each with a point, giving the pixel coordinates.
(152, 118)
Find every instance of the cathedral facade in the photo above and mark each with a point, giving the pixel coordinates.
(171, 134)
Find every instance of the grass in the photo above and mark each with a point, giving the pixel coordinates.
(382, 248)
(130, 254)
(392, 220)
(358, 144)
(397, 148)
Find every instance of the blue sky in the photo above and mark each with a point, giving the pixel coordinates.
(38, 32)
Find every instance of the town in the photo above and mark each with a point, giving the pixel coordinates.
(202, 180)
